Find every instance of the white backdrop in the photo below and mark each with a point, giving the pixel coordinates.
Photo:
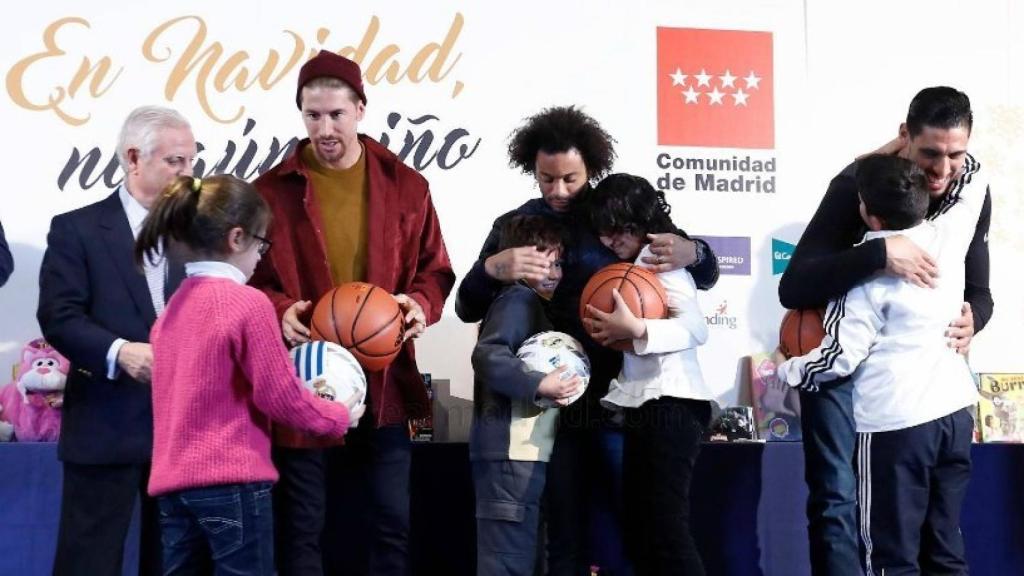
(469, 72)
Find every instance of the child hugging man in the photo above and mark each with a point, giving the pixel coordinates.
(660, 391)
(912, 393)
(512, 435)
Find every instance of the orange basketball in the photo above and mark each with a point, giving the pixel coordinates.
(639, 288)
(364, 319)
(801, 331)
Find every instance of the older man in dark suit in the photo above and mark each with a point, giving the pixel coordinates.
(96, 307)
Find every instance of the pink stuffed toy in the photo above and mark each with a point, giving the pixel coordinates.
(32, 403)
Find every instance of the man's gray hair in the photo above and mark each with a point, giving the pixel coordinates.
(140, 128)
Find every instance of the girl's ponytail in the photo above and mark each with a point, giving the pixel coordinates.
(171, 217)
(197, 216)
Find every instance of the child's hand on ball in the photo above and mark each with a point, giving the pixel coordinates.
(619, 324)
(559, 389)
(355, 409)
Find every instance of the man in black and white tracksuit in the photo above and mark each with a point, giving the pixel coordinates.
(912, 392)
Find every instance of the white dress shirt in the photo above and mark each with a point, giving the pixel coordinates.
(156, 273)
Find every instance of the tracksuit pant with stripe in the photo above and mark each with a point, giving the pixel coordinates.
(911, 486)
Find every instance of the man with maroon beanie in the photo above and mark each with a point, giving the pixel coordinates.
(346, 209)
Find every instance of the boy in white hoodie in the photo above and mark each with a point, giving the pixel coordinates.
(912, 392)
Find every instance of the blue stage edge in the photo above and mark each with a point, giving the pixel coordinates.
(748, 514)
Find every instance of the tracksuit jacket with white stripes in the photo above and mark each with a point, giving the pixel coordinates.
(889, 334)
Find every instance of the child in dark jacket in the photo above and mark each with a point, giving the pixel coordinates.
(512, 434)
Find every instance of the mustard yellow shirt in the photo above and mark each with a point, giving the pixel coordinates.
(342, 198)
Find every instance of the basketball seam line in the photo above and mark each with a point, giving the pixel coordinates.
(313, 325)
(334, 323)
(355, 319)
(664, 301)
(625, 278)
(371, 336)
(621, 281)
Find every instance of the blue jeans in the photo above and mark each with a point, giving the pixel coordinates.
(230, 526)
(829, 440)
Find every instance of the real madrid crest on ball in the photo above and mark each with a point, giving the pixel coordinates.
(330, 371)
(546, 351)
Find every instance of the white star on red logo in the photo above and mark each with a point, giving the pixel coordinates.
(715, 94)
(752, 80)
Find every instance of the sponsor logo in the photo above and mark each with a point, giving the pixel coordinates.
(721, 317)
(781, 253)
(732, 252)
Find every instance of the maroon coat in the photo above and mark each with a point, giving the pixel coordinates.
(406, 255)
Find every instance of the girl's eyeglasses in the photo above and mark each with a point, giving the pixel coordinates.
(264, 245)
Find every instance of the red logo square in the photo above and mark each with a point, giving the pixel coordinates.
(715, 88)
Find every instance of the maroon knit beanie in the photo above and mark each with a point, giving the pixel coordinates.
(330, 64)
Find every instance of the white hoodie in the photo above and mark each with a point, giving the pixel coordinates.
(889, 334)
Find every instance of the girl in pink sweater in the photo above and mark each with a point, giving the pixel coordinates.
(220, 377)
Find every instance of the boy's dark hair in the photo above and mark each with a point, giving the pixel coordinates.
(530, 230)
(560, 129)
(198, 214)
(939, 107)
(627, 203)
(892, 189)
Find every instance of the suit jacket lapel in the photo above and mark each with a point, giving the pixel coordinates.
(175, 274)
(117, 234)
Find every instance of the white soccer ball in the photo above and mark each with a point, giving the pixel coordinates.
(329, 371)
(546, 351)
